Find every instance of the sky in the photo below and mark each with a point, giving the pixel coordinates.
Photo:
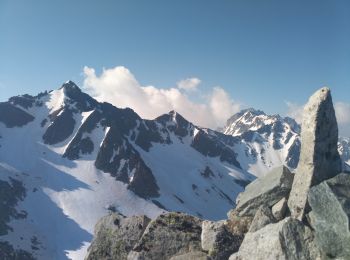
(205, 59)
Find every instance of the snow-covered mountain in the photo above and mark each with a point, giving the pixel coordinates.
(344, 151)
(66, 160)
(267, 141)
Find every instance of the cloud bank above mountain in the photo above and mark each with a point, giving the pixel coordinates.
(119, 87)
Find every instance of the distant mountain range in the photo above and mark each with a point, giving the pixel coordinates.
(66, 160)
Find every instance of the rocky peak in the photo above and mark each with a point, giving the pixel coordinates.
(175, 123)
(172, 117)
(270, 139)
(70, 86)
(73, 95)
(255, 120)
(319, 157)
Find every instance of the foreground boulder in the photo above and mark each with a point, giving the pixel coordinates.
(319, 157)
(279, 209)
(330, 204)
(195, 255)
(286, 239)
(218, 241)
(115, 236)
(171, 234)
(268, 190)
(262, 218)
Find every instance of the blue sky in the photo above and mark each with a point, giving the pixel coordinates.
(262, 53)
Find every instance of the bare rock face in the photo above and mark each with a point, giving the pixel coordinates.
(171, 234)
(197, 255)
(279, 209)
(330, 215)
(285, 240)
(115, 236)
(218, 241)
(262, 218)
(268, 190)
(319, 157)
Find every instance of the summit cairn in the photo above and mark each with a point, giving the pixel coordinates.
(319, 157)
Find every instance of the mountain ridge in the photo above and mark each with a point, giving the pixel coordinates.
(78, 157)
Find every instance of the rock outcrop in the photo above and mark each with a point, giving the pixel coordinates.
(270, 189)
(169, 235)
(330, 215)
(282, 240)
(116, 236)
(276, 217)
(319, 157)
(262, 218)
(218, 241)
(279, 209)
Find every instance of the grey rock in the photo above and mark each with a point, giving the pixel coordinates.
(196, 255)
(217, 240)
(283, 240)
(210, 231)
(8, 252)
(11, 193)
(238, 225)
(294, 240)
(340, 186)
(262, 217)
(115, 236)
(330, 203)
(268, 190)
(279, 209)
(310, 242)
(13, 116)
(262, 244)
(319, 157)
(169, 235)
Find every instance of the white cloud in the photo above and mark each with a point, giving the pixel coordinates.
(342, 112)
(189, 84)
(295, 111)
(119, 87)
(221, 105)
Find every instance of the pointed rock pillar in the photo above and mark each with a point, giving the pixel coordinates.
(319, 157)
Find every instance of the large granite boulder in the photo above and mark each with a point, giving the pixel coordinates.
(169, 235)
(330, 215)
(287, 239)
(262, 217)
(268, 190)
(115, 236)
(195, 255)
(218, 241)
(279, 209)
(319, 157)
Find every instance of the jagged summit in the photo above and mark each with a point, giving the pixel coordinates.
(70, 85)
(272, 140)
(173, 118)
(249, 119)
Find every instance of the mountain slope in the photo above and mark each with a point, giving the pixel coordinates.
(265, 141)
(77, 159)
(268, 141)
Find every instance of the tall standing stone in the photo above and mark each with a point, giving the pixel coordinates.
(319, 157)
